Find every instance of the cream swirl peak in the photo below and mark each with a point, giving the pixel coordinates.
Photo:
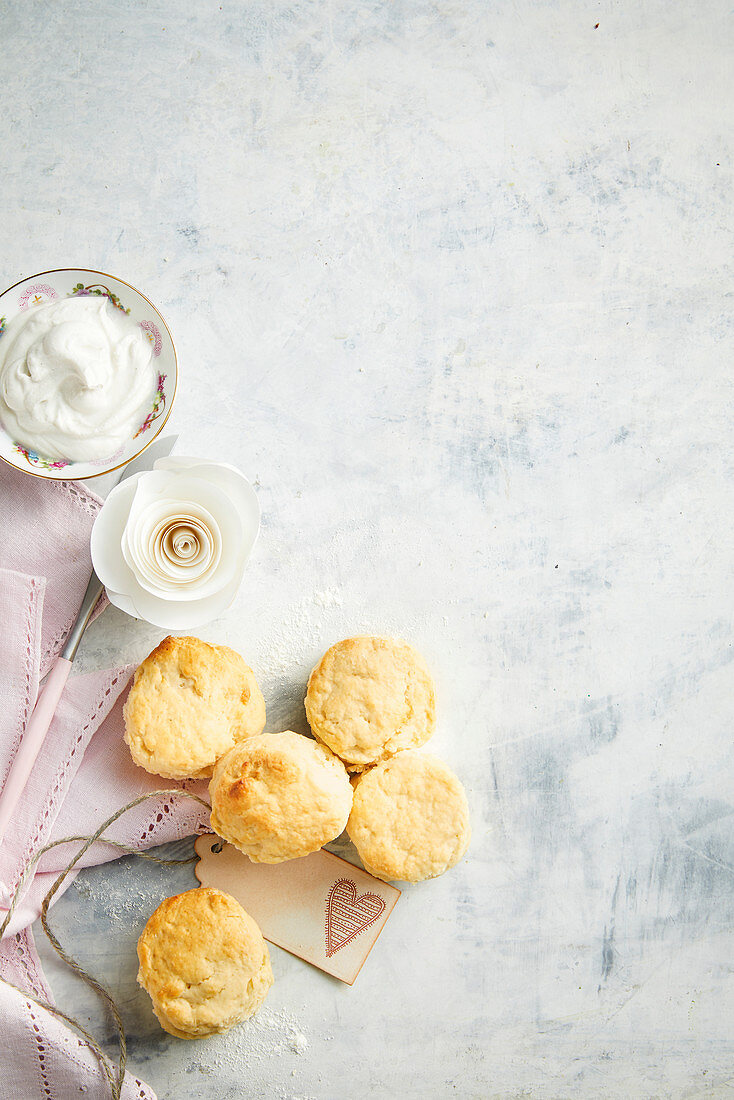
(76, 379)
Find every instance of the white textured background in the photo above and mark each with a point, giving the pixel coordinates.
(451, 282)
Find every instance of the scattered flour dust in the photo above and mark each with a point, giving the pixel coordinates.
(265, 1036)
(117, 898)
(267, 1033)
(327, 598)
(82, 887)
(297, 635)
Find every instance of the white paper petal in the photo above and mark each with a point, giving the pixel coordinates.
(171, 615)
(176, 491)
(154, 485)
(185, 548)
(123, 601)
(178, 462)
(107, 532)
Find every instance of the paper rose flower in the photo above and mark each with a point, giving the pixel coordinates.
(170, 545)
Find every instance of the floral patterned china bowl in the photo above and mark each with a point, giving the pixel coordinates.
(66, 283)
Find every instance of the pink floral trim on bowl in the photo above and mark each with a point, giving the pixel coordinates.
(36, 460)
(82, 291)
(153, 335)
(159, 404)
(36, 295)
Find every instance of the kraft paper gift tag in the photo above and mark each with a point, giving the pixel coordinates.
(320, 907)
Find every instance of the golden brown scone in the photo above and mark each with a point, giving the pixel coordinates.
(189, 704)
(204, 963)
(370, 697)
(279, 796)
(410, 818)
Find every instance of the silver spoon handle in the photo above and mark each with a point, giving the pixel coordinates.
(89, 602)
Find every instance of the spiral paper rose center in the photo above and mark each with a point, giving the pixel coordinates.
(181, 542)
(174, 545)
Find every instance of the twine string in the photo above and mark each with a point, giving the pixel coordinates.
(115, 1076)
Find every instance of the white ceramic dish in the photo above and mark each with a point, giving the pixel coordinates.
(65, 282)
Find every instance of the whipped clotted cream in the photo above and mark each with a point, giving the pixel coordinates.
(76, 379)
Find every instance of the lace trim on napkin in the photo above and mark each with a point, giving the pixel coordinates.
(89, 501)
(38, 1037)
(19, 964)
(25, 954)
(34, 607)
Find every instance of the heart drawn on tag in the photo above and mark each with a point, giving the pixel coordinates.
(347, 915)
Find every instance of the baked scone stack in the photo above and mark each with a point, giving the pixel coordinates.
(196, 710)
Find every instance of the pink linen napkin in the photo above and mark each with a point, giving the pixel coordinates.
(44, 532)
(82, 775)
(43, 1058)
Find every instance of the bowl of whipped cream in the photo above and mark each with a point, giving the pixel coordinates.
(88, 374)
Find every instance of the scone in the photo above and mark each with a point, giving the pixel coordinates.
(279, 796)
(368, 698)
(204, 963)
(410, 818)
(189, 704)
